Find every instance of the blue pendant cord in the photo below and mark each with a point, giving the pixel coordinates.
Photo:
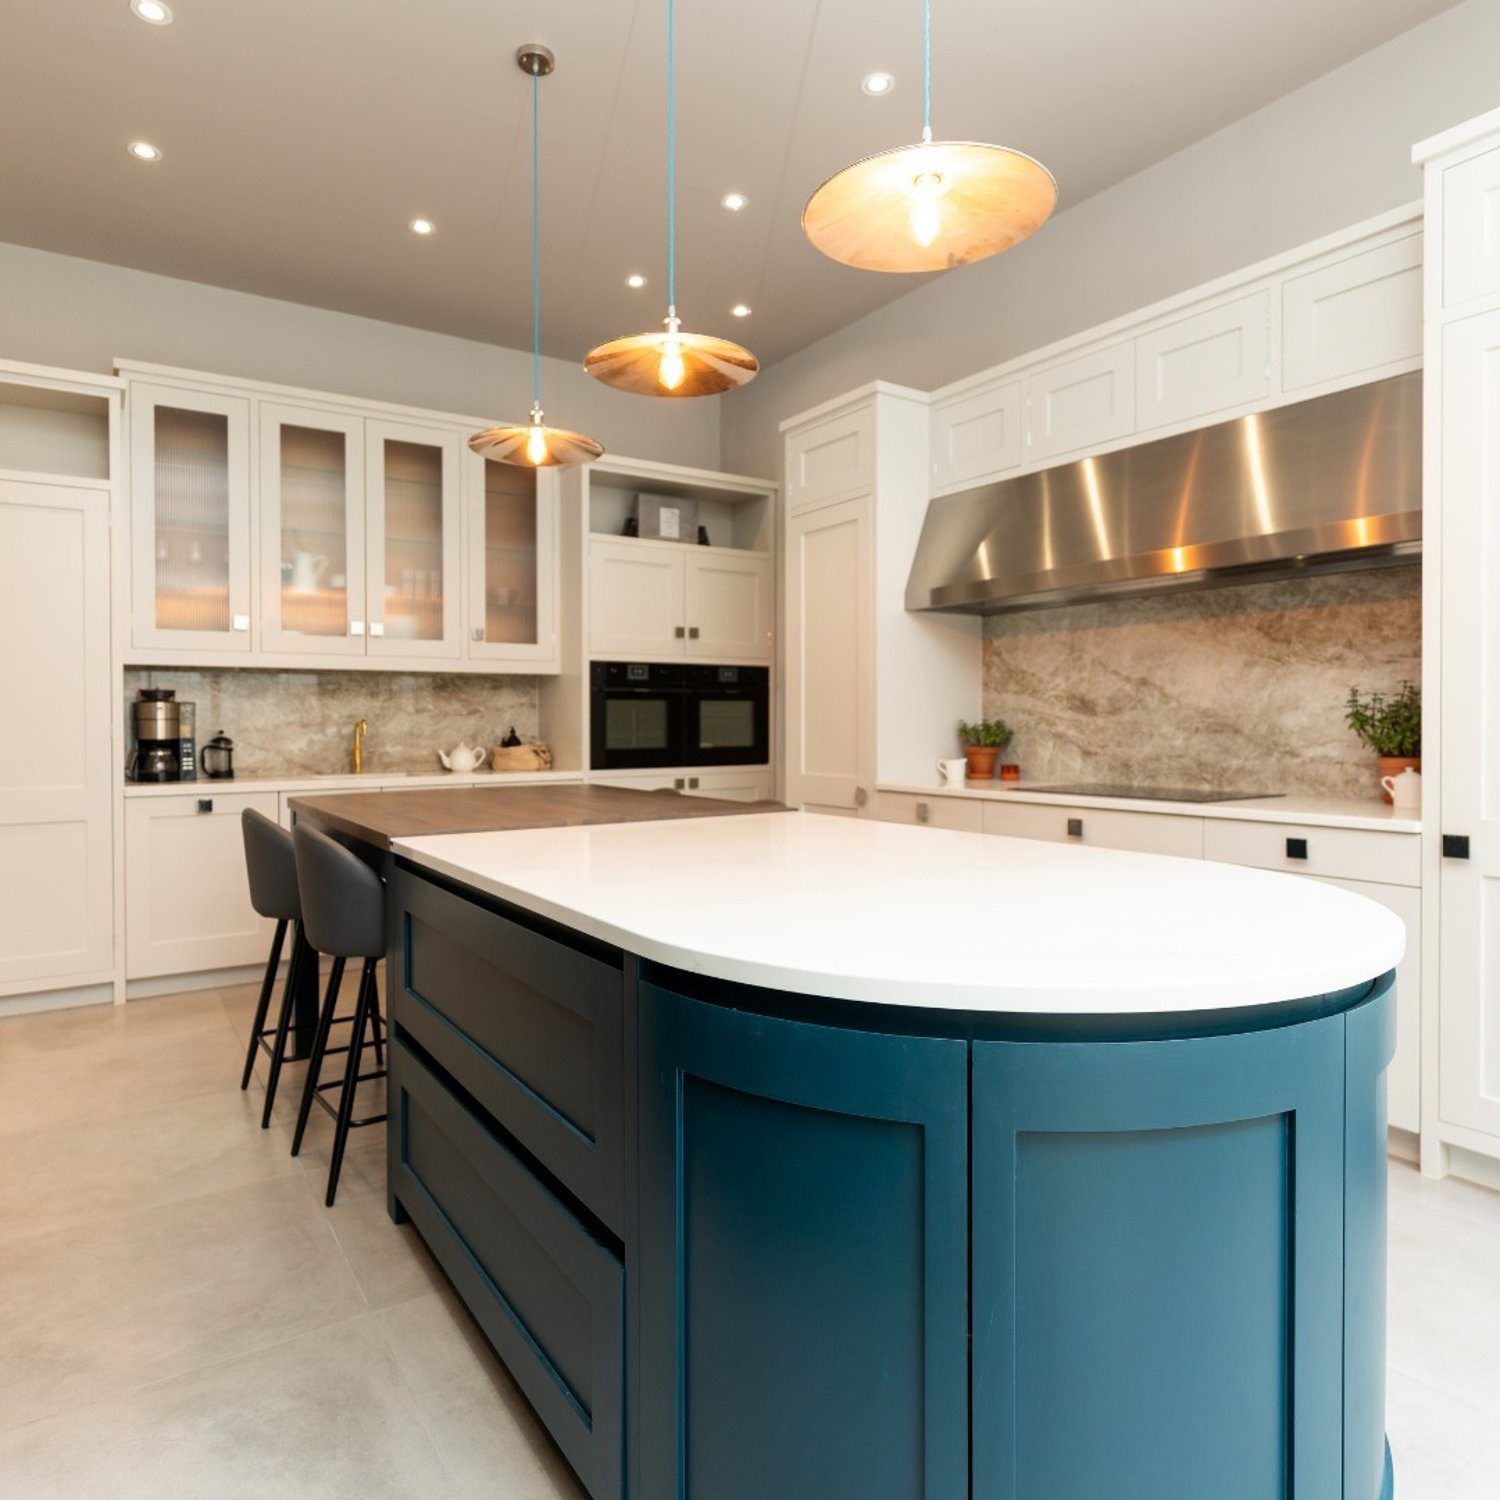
(671, 155)
(926, 70)
(536, 247)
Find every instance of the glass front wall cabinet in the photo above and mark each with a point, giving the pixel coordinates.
(413, 525)
(190, 508)
(512, 598)
(312, 530)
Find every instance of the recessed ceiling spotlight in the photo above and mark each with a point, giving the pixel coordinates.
(152, 11)
(144, 151)
(734, 202)
(876, 84)
(422, 226)
(741, 310)
(635, 281)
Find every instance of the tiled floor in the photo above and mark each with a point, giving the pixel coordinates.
(181, 1317)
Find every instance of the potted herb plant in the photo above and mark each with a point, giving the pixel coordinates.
(983, 742)
(1390, 726)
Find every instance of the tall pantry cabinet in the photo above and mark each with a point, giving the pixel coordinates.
(872, 691)
(1461, 645)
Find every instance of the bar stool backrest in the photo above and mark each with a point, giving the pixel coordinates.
(271, 866)
(343, 899)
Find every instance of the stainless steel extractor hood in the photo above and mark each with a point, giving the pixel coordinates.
(1321, 485)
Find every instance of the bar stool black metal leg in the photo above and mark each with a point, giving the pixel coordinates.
(301, 955)
(319, 1047)
(351, 1076)
(267, 988)
(377, 1025)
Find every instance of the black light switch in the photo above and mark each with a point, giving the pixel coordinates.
(1296, 848)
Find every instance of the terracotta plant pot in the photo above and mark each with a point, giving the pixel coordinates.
(1394, 765)
(981, 759)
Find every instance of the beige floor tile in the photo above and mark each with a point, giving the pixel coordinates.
(145, 1296)
(477, 1417)
(58, 1033)
(323, 1417)
(67, 1174)
(1441, 1449)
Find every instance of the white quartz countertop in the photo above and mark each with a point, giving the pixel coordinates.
(1320, 812)
(347, 782)
(863, 910)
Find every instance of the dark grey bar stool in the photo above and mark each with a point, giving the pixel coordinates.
(343, 905)
(272, 868)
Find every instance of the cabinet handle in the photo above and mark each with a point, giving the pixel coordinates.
(680, 631)
(376, 628)
(861, 796)
(692, 632)
(692, 783)
(240, 622)
(924, 812)
(1455, 846)
(1075, 828)
(477, 633)
(1296, 848)
(678, 782)
(205, 804)
(356, 627)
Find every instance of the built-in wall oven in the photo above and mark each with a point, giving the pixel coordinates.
(649, 714)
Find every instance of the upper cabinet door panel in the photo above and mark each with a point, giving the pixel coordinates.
(1206, 363)
(513, 563)
(636, 599)
(1471, 229)
(413, 523)
(1353, 317)
(312, 531)
(976, 436)
(832, 460)
(1081, 403)
(190, 519)
(730, 601)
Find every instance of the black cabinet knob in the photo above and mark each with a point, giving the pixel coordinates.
(1455, 846)
(1296, 848)
(1075, 828)
(205, 804)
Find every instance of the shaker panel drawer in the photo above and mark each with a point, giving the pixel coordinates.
(931, 812)
(1344, 853)
(527, 1024)
(1102, 827)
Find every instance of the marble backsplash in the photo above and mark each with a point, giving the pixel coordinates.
(302, 723)
(1239, 687)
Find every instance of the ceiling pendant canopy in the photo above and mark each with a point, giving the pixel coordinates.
(932, 205)
(671, 363)
(535, 445)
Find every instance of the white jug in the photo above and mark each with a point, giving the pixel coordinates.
(307, 571)
(1405, 789)
(462, 758)
(953, 771)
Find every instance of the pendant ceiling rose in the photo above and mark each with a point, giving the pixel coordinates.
(932, 205)
(535, 445)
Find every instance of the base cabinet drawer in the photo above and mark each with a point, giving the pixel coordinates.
(187, 897)
(529, 1025)
(931, 812)
(1344, 853)
(549, 1296)
(1102, 827)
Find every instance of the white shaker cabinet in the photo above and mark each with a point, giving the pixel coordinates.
(976, 435)
(830, 460)
(1208, 362)
(56, 843)
(513, 599)
(1101, 827)
(187, 897)
(190, 521)
(1084, 402)
(958, 813)
(729, 604)
(1471, 228)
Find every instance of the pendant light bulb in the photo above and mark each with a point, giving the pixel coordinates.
(925, 222)
(671, 369)
(536, 439)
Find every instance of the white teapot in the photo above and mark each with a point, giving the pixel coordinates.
(462, 758)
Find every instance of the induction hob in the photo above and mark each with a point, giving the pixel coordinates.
(1151, 793)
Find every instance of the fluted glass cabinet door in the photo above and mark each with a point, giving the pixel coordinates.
(513, 566)
(190, 504)
(312, 547)
(413, 525)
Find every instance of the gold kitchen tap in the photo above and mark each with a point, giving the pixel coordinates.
(360, 730)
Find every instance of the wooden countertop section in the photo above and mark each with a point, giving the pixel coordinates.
(378, 818)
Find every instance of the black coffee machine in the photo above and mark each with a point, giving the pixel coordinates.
(158, 729)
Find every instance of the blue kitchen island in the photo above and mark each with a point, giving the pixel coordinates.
(786, 1157)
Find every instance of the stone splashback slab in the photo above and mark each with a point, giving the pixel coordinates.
(302, 723)
(1240, 687)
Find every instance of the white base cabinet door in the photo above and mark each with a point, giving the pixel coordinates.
(1101, 827)
(729, 603)
(56, 826)
(636, 600)
(187, 897)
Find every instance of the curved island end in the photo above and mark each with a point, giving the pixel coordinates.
(793, 1156)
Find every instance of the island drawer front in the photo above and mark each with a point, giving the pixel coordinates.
(1342, 853)
(530, 1026)
(1102, 827)
(931, 812)
(549, 1296)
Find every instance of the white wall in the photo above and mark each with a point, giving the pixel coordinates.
(82, 314)
(1326, 156)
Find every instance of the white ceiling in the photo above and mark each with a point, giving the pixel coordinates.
(300, 136)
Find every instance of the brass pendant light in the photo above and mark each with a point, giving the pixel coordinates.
(535, 446)
(930, 206)
(671, 363)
